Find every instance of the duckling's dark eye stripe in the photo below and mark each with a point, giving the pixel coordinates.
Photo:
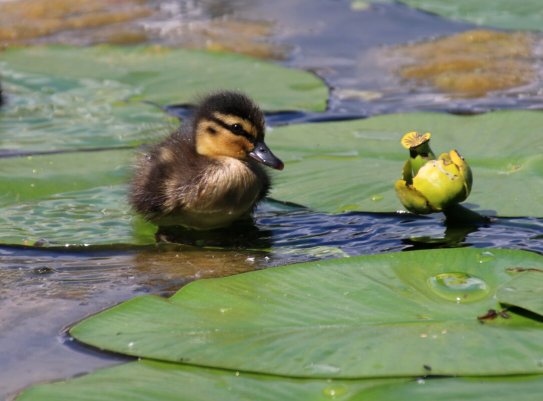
(240, 132)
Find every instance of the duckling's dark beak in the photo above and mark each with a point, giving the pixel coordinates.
(264, 155)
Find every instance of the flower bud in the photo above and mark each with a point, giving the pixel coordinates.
(429, 185)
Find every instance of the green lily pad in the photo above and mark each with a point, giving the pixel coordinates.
(159, 381)
(341, 166)
(44, 112)
(42, 176)
(168, 76)
(345, 318)
(524, 291)
(519, 15)
(74, 198)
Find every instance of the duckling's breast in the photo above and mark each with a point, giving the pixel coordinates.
(226, 190)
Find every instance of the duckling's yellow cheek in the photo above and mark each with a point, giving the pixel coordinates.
(235, 146)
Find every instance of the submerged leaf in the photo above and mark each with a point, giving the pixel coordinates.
(344, 318)
(197, 25)
(472, 63)
(30, 19)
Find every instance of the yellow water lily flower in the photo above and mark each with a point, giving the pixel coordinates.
(429, 185)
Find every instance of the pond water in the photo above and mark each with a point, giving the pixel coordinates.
(45, 290)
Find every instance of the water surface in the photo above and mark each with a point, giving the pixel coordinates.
(44, 290)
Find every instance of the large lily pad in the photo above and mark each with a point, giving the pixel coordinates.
(63, 97)
(159, 381)
(520, 14)
(170, 75)
(353, 165)
(338, 318)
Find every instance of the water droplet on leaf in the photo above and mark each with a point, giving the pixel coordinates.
(486, 256)
(334, 391)
(458, 287)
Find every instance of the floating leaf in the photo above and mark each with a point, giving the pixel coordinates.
(337, 318)
(62, 97)
(353, 165)
(159, 381)
(45, 113)
(170, 75)
(42, 176)
(520, 14)
(524, 291)
(69, 199)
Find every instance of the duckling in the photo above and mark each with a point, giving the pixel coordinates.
(209, 173)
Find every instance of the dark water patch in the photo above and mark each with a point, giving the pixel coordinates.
(358, 233)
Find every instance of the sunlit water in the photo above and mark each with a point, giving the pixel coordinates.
(45, 290)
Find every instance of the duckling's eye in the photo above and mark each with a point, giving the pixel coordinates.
(237, 129)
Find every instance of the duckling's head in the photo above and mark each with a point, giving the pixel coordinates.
(229, 124)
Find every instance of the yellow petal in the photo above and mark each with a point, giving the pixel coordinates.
(412, 199)
(413, 139)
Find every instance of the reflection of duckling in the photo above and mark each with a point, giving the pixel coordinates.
(207, 174)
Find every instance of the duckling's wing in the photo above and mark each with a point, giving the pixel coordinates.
(162, 174)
